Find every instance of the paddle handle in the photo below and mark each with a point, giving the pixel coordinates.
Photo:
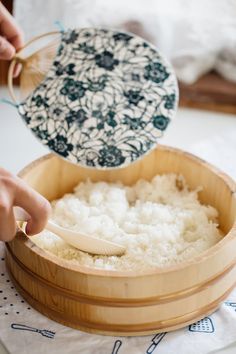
(21, 215)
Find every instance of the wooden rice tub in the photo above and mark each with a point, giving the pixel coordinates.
(128, 303)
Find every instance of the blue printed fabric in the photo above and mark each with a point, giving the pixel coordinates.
(106, 100)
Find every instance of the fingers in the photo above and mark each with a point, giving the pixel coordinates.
(34, 204)
(7, 51)
(11, 38)
(7, 220)
(10, 29)
(15, 192)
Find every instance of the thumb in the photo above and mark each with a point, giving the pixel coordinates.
(7, 50)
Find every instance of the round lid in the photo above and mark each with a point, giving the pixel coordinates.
(105, 101)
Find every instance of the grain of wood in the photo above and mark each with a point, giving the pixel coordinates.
(128, 303)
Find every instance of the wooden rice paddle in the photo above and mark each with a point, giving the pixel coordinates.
(76, 239)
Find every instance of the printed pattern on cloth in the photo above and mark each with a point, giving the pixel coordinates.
(106, 100)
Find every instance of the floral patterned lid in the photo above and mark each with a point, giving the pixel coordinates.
(106, 100)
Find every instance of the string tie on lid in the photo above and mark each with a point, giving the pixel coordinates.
(60, 26)
(11, 103)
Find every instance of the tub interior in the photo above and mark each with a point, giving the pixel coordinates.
(53, 177)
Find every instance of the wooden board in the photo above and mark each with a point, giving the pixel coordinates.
(210, 92)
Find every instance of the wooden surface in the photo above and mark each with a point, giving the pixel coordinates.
(128, 303)
(210, 92)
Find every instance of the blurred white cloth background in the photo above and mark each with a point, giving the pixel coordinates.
(195, 36)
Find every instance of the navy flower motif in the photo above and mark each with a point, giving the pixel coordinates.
(60, 49)
(73, 89)
(76, 116)
(133, 96)
(26, 118)
(56, 112)
(155, 72)
(160, 122)
(68, 69)
(60, 145)
(70, 37)
(106, 60)
(91, 158)
(39, 101)
(169, 101)
(109, 119)
(122, 37)
(42, 134)
(88, 49)
(135, 77)
(110, 156)
(105, 100)
(97, 114)
(40, 119)
(98, 85)
(60, 69)
(90, 163)
(134, 123)
(87, 34)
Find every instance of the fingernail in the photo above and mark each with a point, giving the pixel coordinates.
(27, 229)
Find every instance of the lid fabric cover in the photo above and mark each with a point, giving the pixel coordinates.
(106, 100)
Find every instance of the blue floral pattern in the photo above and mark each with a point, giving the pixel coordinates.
(106, 100)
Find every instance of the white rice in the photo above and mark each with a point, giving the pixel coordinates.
(160, 223)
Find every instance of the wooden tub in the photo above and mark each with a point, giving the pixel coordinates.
(128, 303)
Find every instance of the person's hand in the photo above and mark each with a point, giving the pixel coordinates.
(14, 192)
(11, 37)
